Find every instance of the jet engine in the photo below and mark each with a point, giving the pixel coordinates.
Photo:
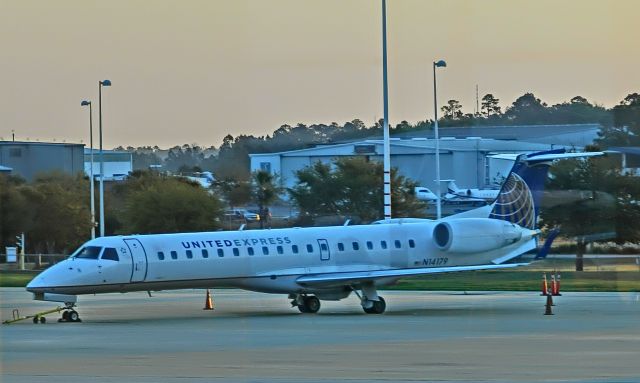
(474, 235)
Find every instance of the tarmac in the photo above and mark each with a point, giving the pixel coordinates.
(253, 337)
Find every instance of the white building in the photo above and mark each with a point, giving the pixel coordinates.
(117, 164)
(463, 160)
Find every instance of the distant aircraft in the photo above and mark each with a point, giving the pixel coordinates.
(205, 179)
(455, 193)
(425, 194)
(312, 264)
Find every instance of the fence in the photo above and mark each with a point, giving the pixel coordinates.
(33, 261)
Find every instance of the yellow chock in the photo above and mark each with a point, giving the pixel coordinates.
(208, 302)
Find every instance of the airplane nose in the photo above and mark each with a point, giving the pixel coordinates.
(36, 284)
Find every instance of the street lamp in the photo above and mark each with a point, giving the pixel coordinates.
(437, 64)
(100, 85)
(93, 207)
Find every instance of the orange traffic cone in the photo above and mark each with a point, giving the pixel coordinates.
(208, 302)
(553, 284)
(556, 292)
(545, 287)
(547, 306)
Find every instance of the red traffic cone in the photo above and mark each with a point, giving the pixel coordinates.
(545, 287)
(208, 302)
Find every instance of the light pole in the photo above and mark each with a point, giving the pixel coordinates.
(437, 64)
(93, 203)
(385, 129)
(100, 85)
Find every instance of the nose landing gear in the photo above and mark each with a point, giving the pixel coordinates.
(70, 315)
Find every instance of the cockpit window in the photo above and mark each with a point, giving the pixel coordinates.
(89, 252)
(110, 254)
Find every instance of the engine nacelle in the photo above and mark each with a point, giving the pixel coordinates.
(474, 235)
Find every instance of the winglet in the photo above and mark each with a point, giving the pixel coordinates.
(544, 250)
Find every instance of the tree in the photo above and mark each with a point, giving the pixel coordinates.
(490, 105)
(527, 109)
(453, 110)
(58, 213)
(265, 191)
(236, 193)
(353, 188)
(610, 206)
(13, 208)
(157, 204)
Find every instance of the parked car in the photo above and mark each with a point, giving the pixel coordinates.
(242, 214)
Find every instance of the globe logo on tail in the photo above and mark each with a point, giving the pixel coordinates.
(515, 203)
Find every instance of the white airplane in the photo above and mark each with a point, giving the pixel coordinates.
(425, 194)
(312, 264)
(455, 193)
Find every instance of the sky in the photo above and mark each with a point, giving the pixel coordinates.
(193, 71)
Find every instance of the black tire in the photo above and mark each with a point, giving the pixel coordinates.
(378, 307)
(312, 304)
(35, 320)
(303, 308)
(73, 316)
(43, 320)
(65, 316)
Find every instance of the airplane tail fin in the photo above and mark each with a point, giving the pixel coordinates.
(519, 198)
(452, 187)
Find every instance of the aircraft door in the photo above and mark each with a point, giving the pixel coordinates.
(325, 253)
(139, 259)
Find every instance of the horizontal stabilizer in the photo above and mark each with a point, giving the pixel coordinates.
(545, 157)
(336, 279)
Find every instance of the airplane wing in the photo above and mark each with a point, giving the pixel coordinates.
(346, 278)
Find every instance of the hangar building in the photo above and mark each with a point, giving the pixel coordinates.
(464, 152)
(28, 159)
(464, 160)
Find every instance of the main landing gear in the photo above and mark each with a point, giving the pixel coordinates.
(371, 302)
(307, 304)
(69, 314)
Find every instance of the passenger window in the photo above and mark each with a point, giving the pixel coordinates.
(356, 246)
(174, 255)
(205, 253)
(265, 250)
(369, 245)
(398, 244)
(236, 252)
(412, 244)
(280, 250)
(161, 255)
(250, 250)
(340, 246)
(89, 252)
(110, 254)
(383, 244)
(309, 249)
(294, 248)
(189, 254)
(220, 253)
(323, 247)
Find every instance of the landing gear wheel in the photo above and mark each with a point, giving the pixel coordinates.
(309, 305)
(65, 316)
(35, 320)
(73, 316)
(378, 307)
(43, 320)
